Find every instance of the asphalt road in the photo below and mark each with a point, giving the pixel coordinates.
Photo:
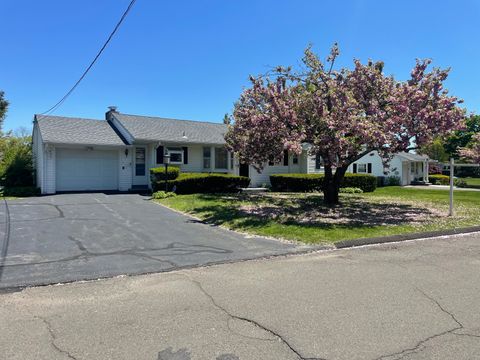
(65, 238)
(412, 300)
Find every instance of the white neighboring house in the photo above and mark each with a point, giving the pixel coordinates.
(115, 154)
(407, 167)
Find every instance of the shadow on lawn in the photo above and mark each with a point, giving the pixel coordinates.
(309, 211)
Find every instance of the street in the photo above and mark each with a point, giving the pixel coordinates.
(411, 300)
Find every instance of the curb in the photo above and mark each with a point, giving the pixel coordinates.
(396, 238)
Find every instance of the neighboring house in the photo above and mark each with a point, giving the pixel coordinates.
(72, 154)
(407, 167)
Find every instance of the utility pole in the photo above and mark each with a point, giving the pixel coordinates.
(452, 173)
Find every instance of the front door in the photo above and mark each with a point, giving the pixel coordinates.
(140, 175)
(244, 170)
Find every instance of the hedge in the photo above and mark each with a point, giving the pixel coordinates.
(439, 179)
(314, 182)
(158, 173)
(195, 183)
(20, 191)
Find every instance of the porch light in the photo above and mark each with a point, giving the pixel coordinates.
(126, 152)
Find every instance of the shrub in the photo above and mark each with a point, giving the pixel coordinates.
(314, 182)
(461, 183)
(392, 181)
(296, 182)
(158, 173)
(21, 191)
(439, 179)
(351, 190)
(195, 183)
(16, 169)
(163, 195)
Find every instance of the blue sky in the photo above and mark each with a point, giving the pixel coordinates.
(191, 59)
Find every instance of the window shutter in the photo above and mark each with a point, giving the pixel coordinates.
(318, 162)
(354, 168)
(185, 155)
(369, 168)
(160, 155)
(285, 157)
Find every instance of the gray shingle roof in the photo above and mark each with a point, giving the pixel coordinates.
(181, 131)
(412, 157)
(65, 130)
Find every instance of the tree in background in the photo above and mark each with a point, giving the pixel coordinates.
(3, 108)
(462, 138)
(16, 167)
(343, 114)
(472, 152)
(435, 150)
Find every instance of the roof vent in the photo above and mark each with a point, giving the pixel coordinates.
(113, 108)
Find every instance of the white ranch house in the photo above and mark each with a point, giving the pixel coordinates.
(115, 154)
(407, 167)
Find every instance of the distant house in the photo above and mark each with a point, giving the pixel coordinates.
(407, 167)
(73, 154)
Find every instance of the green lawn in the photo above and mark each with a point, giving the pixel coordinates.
(303, 217)
(473, 182)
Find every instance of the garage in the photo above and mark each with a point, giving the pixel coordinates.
(86, 169)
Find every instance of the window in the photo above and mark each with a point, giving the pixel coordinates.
(176, 155)
(221, 158)
(207, 158)
(362, 168)
(231, 161)
(140, 161)
(294, 159)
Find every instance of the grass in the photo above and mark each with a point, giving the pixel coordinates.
(473, 182)
(303, 217)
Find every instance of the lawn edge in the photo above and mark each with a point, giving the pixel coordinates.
(343, 244)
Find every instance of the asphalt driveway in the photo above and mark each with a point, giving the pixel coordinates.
(63, 238)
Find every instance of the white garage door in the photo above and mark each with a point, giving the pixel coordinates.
(81, 169)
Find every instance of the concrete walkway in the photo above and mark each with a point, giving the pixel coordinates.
(414, 300)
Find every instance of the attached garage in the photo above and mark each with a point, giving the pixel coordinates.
(74, 154)
(86, 169)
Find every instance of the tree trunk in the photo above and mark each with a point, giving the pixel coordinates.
(331, 185)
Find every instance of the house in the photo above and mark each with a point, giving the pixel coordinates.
(407, 167)
(73, 154)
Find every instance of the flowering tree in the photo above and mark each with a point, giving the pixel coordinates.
(343, 114)
(472, 152)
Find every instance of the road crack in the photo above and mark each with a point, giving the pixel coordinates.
(54, 338)
(421, 345)
(251, 321)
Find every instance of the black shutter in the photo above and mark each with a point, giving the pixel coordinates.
(185, 155)
(369, 168)
(318, 162)
(354, 168)
(160, 155)
(285, 157)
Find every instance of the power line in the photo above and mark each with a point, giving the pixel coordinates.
(62, 100)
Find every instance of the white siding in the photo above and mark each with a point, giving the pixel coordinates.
(395, 168)
(49, 184)
(38, 156)
(263, 178)
(125, 170)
